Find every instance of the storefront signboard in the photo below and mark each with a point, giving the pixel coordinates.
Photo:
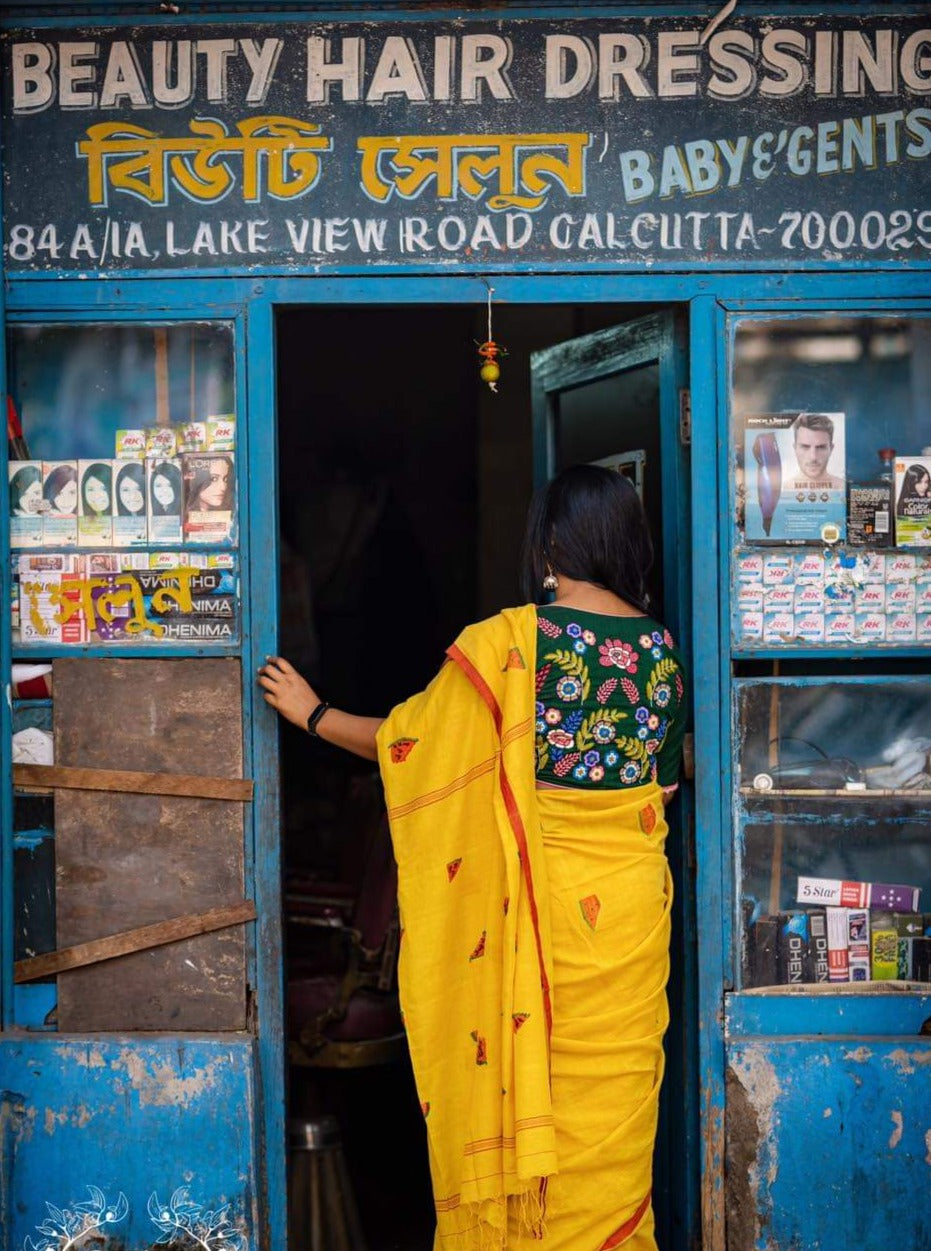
(628, 142)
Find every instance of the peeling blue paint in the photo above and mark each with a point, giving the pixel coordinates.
(80, 1108)
(838, 1134)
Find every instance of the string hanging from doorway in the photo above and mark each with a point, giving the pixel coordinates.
(489, 351)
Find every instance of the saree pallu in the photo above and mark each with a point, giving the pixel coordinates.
(534, 956)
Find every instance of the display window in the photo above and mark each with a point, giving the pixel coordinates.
(831, 474)
(830, 525)
(833, 798)
(124, 529)
(122, 485)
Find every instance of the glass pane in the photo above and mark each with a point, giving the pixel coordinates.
(614, 416)
(831, 439)
(834, 798)
(123, 513)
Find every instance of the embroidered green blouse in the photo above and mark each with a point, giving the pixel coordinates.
(610, 700)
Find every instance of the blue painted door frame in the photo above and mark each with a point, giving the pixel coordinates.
(708, 296)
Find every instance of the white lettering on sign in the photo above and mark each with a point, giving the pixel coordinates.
(773, 62)
(78, 75)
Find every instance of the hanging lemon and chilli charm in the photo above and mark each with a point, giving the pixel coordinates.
(489, 351)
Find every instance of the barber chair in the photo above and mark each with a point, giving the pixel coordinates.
(342, 954)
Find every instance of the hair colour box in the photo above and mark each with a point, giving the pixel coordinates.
(60, 495)
(130, 515)
(913, 501)
(209, 509)
(165, 497)
(95, 503)
(27, 503)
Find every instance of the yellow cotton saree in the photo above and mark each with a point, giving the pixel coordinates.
(534, 957)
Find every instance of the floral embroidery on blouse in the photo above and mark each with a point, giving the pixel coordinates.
(610, 700)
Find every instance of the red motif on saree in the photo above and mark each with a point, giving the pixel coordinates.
(400, 749)
(590, 906)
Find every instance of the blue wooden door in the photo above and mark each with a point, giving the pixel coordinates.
(618, 397)
(115, 1133)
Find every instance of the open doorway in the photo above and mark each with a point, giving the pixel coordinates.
(404, 483)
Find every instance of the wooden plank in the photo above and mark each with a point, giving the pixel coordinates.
(140, 939)
(127, 860)
(194, 785)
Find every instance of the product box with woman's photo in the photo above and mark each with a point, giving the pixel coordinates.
(913, 501)
(794, 477)
(95, 502)
(165, 496)
(209, 480)
(60, 491)
(27, 503)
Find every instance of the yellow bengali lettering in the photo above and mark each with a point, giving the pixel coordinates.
(519, 170)
(281, 154)
(179, 595)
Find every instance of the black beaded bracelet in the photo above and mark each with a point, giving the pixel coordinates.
(315, 716)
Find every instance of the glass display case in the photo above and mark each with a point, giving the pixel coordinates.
(830, 610)
(831, 474)
(833, 799)
(124, 529)
(122, 485)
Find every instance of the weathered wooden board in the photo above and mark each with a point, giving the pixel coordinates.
(125, 860)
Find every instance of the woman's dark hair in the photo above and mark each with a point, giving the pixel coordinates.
(133, 471)
(57, 480)
(172, 475)
(588, 524)
(104, 475)
(203, 474)
(21, 481)
(910, 479)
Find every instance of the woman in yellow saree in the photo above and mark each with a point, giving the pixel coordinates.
(525, 790)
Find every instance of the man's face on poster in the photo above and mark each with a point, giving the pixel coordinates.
(813, 450)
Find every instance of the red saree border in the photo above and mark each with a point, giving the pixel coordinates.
(517, 825)
(623, 1232)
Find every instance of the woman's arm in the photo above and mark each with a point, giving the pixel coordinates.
(295, 699)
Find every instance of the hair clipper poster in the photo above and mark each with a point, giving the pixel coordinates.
(209, 497)
(913, 501)
(794, 480)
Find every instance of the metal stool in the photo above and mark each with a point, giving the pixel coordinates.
(322, 1213)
